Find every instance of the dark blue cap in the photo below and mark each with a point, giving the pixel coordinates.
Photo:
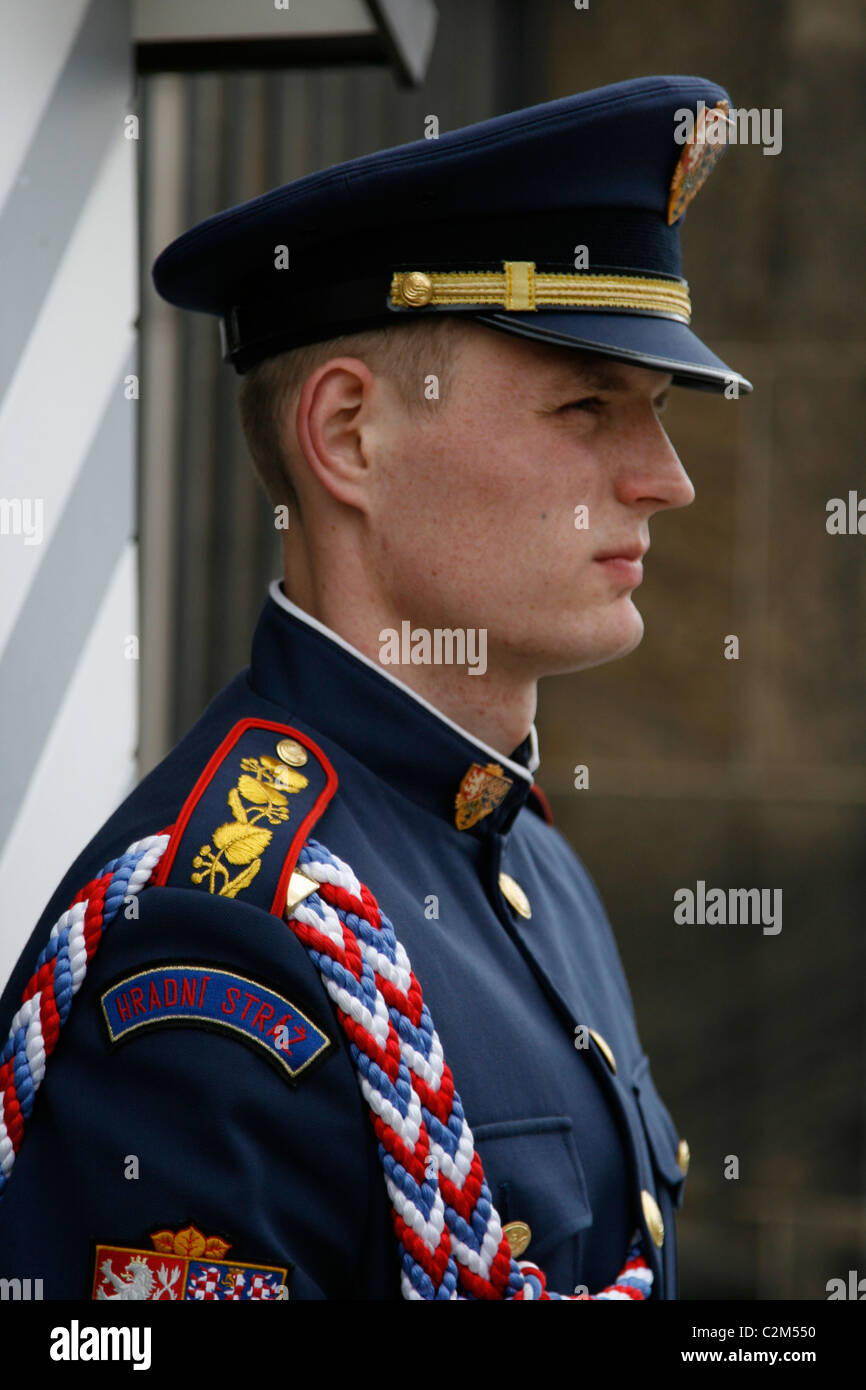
(559, 222)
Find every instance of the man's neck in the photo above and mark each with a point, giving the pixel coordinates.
(491, 708)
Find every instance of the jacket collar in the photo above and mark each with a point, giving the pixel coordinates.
(327, 684)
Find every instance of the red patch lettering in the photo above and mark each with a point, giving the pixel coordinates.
(250, 997)
(261, 1015)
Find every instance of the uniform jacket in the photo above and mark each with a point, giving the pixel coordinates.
(286, 1169)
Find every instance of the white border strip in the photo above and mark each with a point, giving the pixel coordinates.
(85, 769)
(37, 41)
(68, 369)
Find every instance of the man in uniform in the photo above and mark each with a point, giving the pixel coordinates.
(358, 1027)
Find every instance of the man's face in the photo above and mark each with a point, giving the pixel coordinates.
(492, 508)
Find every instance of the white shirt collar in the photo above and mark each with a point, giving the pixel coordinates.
(279, 597)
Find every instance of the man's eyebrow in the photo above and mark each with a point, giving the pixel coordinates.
(601, 377)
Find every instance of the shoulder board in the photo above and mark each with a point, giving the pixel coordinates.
(244, 823)
(240, 832)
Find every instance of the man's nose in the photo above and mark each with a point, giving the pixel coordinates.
(652, 471)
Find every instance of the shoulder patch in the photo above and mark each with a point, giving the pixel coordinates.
(207, 996)
(244, 822)
(185, 1267)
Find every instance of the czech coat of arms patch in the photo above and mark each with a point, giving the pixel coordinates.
(184, 1266)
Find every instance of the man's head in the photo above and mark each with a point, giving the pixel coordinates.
(493, 258)
(485, 508)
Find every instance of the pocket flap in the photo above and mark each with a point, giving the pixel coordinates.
(536, 1176)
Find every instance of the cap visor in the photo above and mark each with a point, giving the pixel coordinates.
(647, 340)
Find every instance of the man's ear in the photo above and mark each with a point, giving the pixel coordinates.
(333, 415)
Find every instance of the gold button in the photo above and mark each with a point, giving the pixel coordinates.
(416, 289)
(518, 1235)
(292, 752)
(514, 894)
(605, 1049)
(652, 1217)
(684, 1155)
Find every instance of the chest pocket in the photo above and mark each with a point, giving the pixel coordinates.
(535, 1176)
(660, 1130)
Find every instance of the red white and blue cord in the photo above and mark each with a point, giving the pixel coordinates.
(59, 974)
(451, 1241)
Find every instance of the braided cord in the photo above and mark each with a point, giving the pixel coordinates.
(452, 1245)
(59, 974)
(449, 1233)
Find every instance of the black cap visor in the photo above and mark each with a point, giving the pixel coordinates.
(646, 340)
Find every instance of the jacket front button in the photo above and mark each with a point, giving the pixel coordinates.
(605, 1049)
(684, 1155)
(514, 894)
(652, 1217)
(518, 1235)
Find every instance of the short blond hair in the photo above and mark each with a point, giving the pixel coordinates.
(407, 354)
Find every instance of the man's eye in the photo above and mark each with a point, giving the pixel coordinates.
(591, 404)
(661, 404)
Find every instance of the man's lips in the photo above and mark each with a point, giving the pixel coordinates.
(624, 564)
(635, 551)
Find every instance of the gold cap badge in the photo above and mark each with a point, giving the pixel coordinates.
(701, 152)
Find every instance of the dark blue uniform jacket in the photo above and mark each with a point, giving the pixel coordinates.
(290, 1174)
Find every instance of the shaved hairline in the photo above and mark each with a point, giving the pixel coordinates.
(407, 353)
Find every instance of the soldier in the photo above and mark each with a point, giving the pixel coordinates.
(360, 1017)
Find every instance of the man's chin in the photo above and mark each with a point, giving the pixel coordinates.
(613, 640)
